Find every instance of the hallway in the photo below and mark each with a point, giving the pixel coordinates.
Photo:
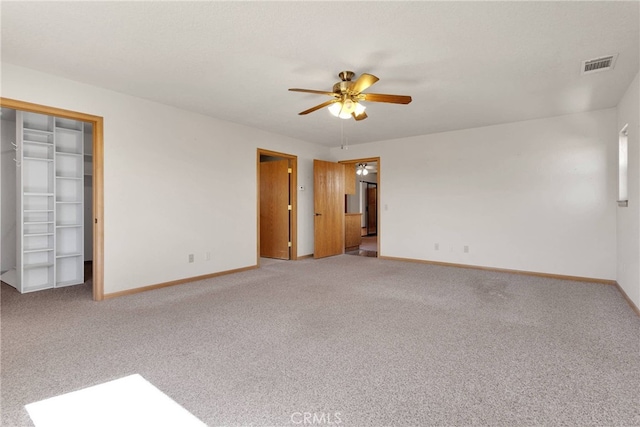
(368, 247)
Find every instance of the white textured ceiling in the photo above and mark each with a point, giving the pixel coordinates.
(465, 64)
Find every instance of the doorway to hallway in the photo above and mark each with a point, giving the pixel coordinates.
(362, 211)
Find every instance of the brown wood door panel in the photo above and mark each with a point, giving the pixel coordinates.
(372, 209)
(349, 178)
(328, 201)
(353, 230)
(274, 209)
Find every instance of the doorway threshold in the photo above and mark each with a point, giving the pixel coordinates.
(363, 252)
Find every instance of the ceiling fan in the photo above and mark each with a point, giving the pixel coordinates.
(347, 95)
(364, 169)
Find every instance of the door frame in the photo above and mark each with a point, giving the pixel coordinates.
(377, 160)
(293, 198)
(98, 178)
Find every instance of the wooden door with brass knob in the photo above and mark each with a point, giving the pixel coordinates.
(328, 201)
(274, 209)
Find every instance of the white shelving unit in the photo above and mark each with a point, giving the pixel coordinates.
(36, 215)
(50, 168)
(69, 162)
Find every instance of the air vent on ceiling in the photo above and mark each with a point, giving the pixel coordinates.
(596, 65)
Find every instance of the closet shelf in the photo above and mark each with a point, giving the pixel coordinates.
(37, 234)
(68, 177)
(64, 153)
(67, 201)
(37, 210)
(28, 141)
(37, 158)
(33, 251)
(37, 194)
(68, 255)
(37, 222)
(39, 265)
(68, 129)
(68, 282)
(68, 225)
(40, 131)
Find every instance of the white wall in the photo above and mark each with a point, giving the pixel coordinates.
(8, 196)
(175, 182)
(628, 230)
(538, 195)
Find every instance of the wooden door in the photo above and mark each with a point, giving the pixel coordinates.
(372, 209)
(328, 202)
(274, 209)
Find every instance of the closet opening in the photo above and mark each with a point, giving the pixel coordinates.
(52, 198)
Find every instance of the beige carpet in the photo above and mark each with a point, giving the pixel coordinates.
(371, 342)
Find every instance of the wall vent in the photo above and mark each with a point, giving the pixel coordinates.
(604, 63)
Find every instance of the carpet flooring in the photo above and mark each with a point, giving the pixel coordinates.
(353, 341)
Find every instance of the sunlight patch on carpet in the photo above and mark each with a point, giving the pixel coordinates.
(129, 401)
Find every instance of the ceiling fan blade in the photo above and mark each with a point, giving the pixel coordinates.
(359, 117)
(379, 97)
(319, 92)
(364, 81)
(317, 107)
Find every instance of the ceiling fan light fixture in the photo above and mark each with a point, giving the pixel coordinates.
(348, 106)
(337, 109)
(362, 169)
(359, 109)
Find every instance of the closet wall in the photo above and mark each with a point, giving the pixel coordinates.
(7, 191)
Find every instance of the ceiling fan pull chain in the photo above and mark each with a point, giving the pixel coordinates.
(344, 143)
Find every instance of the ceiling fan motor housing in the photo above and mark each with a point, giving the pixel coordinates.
(345, 84)
(346, 76)
(341, 87)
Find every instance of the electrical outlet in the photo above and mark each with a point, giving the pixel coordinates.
(191, 258)
(436, 246)
(466, 249)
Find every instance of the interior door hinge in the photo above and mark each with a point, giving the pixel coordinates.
(289, 244)
(289, 207)
(289, 170)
